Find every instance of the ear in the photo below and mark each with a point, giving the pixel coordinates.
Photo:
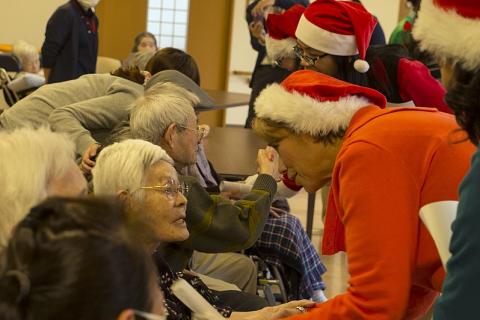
(123, 196)
(170, 135)
(147, 75)
(126, 314)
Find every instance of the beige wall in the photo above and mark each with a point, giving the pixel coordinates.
(386, 11)
(120, 21)
(208, 41)
(25, 19)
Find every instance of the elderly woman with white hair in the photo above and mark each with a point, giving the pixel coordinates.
(34, 164)
(142, 175)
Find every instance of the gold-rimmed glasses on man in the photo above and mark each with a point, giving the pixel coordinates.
(309, 59)
(200, 131)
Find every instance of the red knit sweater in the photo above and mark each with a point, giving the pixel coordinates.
(391, 163)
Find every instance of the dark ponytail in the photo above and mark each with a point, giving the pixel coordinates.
(463, 96)
(73, 259)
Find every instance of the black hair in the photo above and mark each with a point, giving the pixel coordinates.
(463, 96)
(174, 59)
(139, 37)
(382, 75)
(346, 71)
(73, 259)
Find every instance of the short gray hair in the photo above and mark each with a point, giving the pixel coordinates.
(122, 166)
(162, 105)
(28, 160)
(24, 51)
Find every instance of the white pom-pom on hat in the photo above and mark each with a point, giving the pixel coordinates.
(361, 66)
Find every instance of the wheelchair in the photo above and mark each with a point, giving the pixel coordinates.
(16, 87)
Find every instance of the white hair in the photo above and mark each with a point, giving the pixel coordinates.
(162, 105)
(28, 160)
(122, 166)
(25, 52)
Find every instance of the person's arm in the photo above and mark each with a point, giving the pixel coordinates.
(220, 225)
(57, 33)
(80, 119)
(380, 202)
(46, 73)
(417, 84)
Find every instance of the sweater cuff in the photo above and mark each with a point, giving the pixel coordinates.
(267, 183)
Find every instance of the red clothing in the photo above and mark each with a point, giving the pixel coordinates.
(391, 163)
(415, 83)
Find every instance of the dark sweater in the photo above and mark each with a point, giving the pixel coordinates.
(71, 43)
(459, 299)
(219, 225)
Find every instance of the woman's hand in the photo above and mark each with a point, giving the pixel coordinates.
(289, 309)
(257, 30)
(278, 312)
(261, 7)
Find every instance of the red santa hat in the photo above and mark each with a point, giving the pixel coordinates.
(280, 38)
(341, 28)
(450, 28)
(314, 103)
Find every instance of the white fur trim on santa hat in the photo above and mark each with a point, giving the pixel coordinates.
(304, 114)
(446, 33)
(277, 49)
(325, 41)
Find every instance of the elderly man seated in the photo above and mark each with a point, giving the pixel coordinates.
(142, 176)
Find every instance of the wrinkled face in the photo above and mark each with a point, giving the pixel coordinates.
(308, 163)
(146, 45)
(185, 145)
(162, 207)
(32, 64)
(71, 184)
(317, 60)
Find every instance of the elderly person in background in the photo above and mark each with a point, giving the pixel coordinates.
(449, 31)
(142, 176)
(30, 76)
(75, 259)
(34, 164)
(384, 165)
(28, 57)
(144, 47)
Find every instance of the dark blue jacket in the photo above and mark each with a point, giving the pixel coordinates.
(60, 51)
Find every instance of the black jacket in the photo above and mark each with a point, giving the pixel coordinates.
(60, 51)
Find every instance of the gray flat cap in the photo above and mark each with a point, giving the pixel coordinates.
(185, 82)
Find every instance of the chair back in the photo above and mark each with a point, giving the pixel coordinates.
(10, 96)
(438, 218)
(107, 65)
(9, 63)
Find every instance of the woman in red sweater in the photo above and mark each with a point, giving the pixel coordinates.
(383, 166)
